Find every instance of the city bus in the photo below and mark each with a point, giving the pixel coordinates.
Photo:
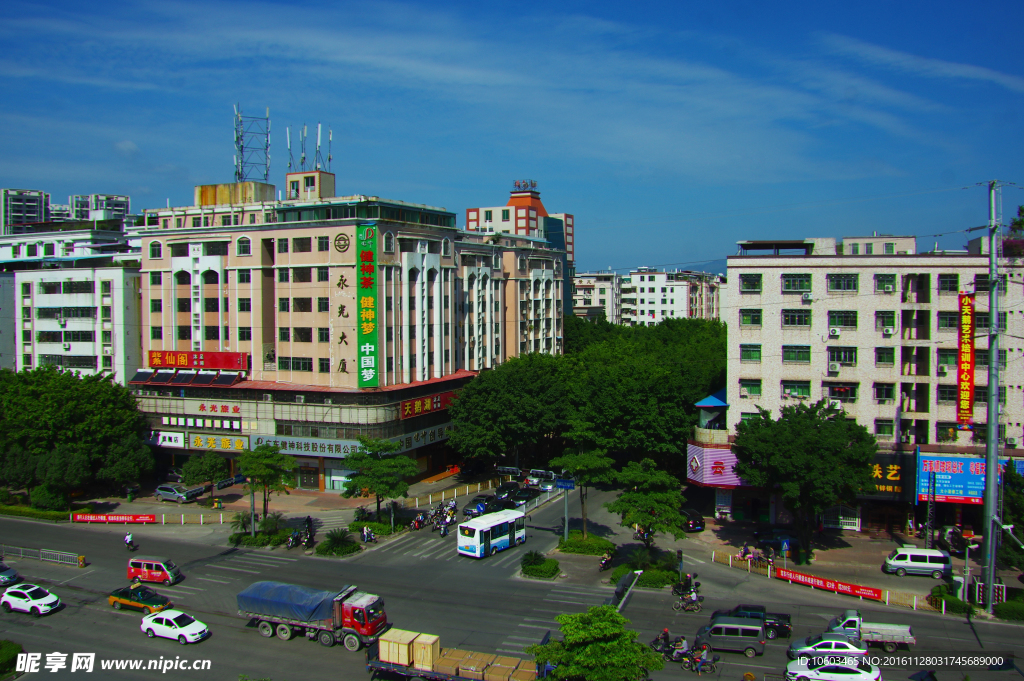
(487, 534)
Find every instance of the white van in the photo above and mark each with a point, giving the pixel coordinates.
(915, 561)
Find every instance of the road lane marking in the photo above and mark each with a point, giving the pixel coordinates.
(702, 562)
(514, 652)
(521, 638)
(263, 556)
(77, 576)
(558, 600)
(532, 626)
(207, 579)
(517, 645)
(535, 619)
(182, 586)
(254, 562)
(225, 567)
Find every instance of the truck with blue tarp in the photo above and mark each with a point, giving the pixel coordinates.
(353, 617)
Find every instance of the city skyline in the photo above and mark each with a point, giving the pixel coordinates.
(671, 133)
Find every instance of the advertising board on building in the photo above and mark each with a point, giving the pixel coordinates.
(425, 405)
(170, 359)
(958, 479)
(965, 362)
(163, 438)
(218, 442)
(711, 467)
(298, 446)
(892, 477)
(366, 307)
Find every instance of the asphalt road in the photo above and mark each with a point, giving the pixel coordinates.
(475, 604)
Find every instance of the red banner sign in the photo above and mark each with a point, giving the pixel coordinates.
(424, 405)
(829, 584)
(112, 518)
(965, 372)
(172, 359)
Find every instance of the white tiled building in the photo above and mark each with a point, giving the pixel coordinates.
(596, 293)
(650, 295)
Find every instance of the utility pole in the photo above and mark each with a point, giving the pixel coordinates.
(992, 434)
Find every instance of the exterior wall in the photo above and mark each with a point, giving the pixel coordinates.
(20, 206)
(8, 322)
(80, 205)
(650, 296)
(109, 314)
(598, 291)
(34, 248)
(916, 301)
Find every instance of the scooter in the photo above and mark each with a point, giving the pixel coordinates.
(606, 564)
(370, 538)
(294, 539)
(687, 604)
(690, 663)
(682, 589)
(444, 529)
(308, 541)
(130, 545)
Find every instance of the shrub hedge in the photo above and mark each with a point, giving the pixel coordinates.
(261, 539)
(591, 546)
(55, 516)
(47, 498)
(379, 529)
(547, 570)
(1010, 610)
(651, 578)
(531, 558)
(328, 549)
(944, 592)
(8, 655)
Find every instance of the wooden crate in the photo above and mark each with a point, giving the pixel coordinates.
(426, 650)
(523, 675)
(502, 661)
(396, 646)
(454, 653)
(447, 665)
(473, 668)
(498, 673)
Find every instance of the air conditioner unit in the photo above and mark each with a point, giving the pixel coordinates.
(807, 297)
(267, 397)
(941, 369)
(888, 331)
(834, 332)
(835, 404)
(887, 288)
(1011, 442)
(833, 367)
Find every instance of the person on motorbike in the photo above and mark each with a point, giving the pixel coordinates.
(664, 638)
(607, 557)
(702, 660)
(679, 649)
(745, 552)
(128, 540)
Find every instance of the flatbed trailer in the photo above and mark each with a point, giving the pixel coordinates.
(377, 669)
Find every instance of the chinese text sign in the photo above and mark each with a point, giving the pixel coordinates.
(366, 297)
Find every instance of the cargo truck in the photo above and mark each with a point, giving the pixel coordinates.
(354, 618)
(889, 636)
(407, 654)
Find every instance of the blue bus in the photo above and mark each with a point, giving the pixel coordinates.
(487, 534)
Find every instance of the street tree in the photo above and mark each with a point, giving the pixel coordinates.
(596, 646)
(589, 468)
(379, 471)
(267, 469)
(651, 499)
(1010, 552)
(519, 406)
(206, 467)
(813, 454)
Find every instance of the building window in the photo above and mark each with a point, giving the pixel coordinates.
(323, 334)
(156, 251)
(284, 334)
(196, 222)
(843, 318)
(885, 391)
(488, 216)
(981, 395)
(105, 312)
(303, 275)
(842, 282)
(890, 248)
(884, 429)
(885, 319)
(295, 363)
(32, 250)
(750, 317)
(302, 244)
(796, 353)
(155, 279)
(945, 432)
(282, 275)
(796, 388)
(324, 365)
(211, 304)
(243, 246)
(949, 284)
(750, 353)
(793, 318)
(282, 245)
(796, 283)
(252, 218)
(446, 247)
(244, 276)
(946, 394)
(212, 333)
(749, 283)
(389, 242)
(948, 358)
(981, 356)
(323, 274)
(844, 392)
(245, 304)
(303, 334)
(854, 249)
(845, 356)
(184, 304)
(751, 386)
(323, 304)
(283, 304)
(323, 244)
(948, 321)
(302, 305)
(107, 335)
(48, 249)
(245, 333)
(156, 333)
(184, 333)
(885, 357)
(885, 283)
(981, 321)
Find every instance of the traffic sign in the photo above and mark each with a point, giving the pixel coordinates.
(565, 484)
(785, 545)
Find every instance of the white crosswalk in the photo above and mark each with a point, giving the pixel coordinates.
(531, 630)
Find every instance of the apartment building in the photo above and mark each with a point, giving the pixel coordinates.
(597, 294)
(870, 325)
(311, 321)
(650, 295)
(21, 206)
(101, 206)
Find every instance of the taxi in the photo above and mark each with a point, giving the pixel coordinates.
(138, 597)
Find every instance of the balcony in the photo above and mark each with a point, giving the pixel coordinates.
(707, 436)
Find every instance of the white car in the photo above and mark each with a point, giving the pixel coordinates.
(174, 624)
(800, 670)
(29, 598)
(8, 575)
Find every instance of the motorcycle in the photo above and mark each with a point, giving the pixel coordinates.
(690, 663)
(687, 604)
(371, 538)
(308, 541)
(659, 645)
(130, 545)
(641, 536)
(444, 530)
(684, 589)
(293, 540)
(606, 564)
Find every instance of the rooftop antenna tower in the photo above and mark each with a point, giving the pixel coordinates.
(302, 141)
(330, 141)
(319, 160)
(291, 158)
(252, 146)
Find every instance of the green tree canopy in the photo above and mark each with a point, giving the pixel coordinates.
(812, 454)
(378, 471)
(597, 646)
(588, 468)
(268, 468)
(651, 498)
(206, 467)
(519, 405)
(67, 430)
(581, 333)
(1010, 553)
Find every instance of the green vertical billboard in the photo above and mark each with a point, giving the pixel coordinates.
(366, 294)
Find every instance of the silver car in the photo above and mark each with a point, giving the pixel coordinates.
(826, 645)
(175, 492)
(8, 575)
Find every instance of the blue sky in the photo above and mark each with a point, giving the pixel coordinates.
(671, 130)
